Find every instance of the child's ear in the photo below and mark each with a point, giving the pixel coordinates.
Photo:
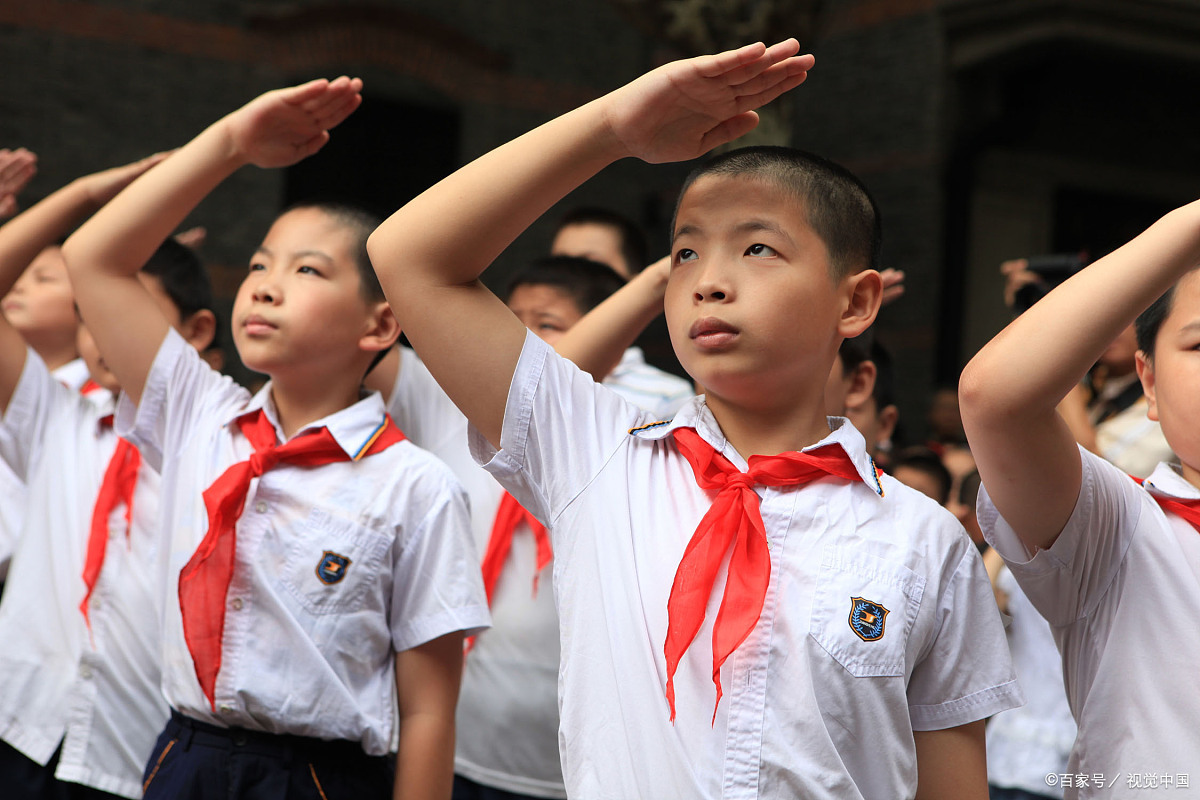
(199, 329)
(383, 329)
(862, 294)
(1145, 373)
(862, 384)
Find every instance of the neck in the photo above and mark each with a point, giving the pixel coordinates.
(1191, 475)
(769, 432)
(299, 403)
(55, 355)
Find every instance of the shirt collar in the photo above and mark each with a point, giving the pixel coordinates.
(1167, 481)
(696, 414)
(353, 427)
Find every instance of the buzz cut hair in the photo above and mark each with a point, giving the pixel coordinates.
(360, 224)
(837, 204)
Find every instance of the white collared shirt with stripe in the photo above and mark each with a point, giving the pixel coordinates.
(96, 692)
(811, 709)
(1118, 588)
(303, 655)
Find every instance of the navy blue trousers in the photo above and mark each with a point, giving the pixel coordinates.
(22, 778)
(196, 761)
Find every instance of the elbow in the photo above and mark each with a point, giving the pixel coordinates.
(976, 396)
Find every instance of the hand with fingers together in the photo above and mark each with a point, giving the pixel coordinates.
(284, 126)
(17, 168)
(684, 109)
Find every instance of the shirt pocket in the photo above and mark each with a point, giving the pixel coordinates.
(863, 611)
(333, 564)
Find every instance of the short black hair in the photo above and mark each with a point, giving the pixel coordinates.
(586, 282)
(855, 351)
(885, 381)
(634, 248)
(838, 206)
(1150, 321)
(927, 462)
(360, 224)
(183, 277)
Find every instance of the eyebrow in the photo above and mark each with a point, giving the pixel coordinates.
(299, 255)
(749, 226)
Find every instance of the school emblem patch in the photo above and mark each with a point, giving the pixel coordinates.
(867, 618)
(332, 567)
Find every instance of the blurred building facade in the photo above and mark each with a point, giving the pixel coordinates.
(986, 129)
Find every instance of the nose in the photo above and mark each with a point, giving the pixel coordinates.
(712, 283)
(265, 288)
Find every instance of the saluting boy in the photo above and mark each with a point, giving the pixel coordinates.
(318, 567)
(855, 646)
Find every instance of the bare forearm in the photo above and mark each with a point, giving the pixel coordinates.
(122, 236)
(425, 760)
(453, 231)
(597, 341)
(1032, 365)
(27, 234)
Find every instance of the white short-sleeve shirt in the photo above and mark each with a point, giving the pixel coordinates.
(507, 727)
(1026, 744)
(97, 693)
(299, 655)
(1117, 587)
(810, 709)
(73, 375)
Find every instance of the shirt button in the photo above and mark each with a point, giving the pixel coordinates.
(225, 708)
(260, 507)
(236, 603)
(95, 603)
(85, 672)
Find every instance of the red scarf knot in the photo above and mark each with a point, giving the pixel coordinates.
(734, 525)
(204, 580)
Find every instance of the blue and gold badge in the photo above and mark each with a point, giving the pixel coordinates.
(332, 567)
(866, 619)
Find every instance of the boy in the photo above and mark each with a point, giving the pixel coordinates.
(309, 585)
(1110, 562)
(81, 701)
(824, 698)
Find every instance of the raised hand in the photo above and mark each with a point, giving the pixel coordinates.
(284, 126)
(684, 109)
(17, 167)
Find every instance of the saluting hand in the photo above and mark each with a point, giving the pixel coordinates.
(684, 109)
(285, 126)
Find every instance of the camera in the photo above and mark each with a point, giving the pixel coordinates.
(1051, 271)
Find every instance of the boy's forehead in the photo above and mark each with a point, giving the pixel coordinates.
(716, 200)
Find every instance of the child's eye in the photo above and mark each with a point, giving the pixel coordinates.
(307, 270)
(685, 254)
(255, 266)
(760, 250)
(548, 326)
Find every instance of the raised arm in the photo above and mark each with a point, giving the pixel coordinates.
(27, 234)
(1025, 451)
(430, 253)
(276, 129)
(597, 342)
